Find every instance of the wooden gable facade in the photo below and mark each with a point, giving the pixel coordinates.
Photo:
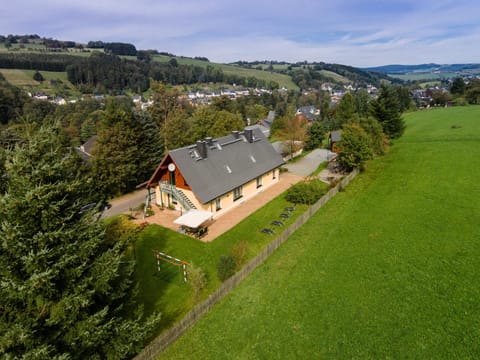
(164, 174)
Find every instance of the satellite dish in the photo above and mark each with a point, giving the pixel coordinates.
(171, 167)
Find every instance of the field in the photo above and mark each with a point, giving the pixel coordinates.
(24, 79)
(281, 79)
(334, 76)
(423, 76)
(389, 268)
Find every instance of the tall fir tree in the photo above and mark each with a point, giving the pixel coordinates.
(115, 155)
(149, 144)
(345, 111)
(64, 290)
(386, 109)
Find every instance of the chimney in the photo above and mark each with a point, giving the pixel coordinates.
(202, 149)
(236, 134)
(249, 135)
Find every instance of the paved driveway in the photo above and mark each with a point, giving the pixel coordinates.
(309, 163)
(124, 203)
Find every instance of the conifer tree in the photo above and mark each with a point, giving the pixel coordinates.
(64, 290)
(149, 144)
(115, 154)
(386, 109)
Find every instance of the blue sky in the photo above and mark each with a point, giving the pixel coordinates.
(351, 32)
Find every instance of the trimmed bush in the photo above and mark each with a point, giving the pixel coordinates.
(226, 267)
(307, 192)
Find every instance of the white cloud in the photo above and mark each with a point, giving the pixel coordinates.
(344, 31)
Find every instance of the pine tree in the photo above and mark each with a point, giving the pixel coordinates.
(64, 290)
(386, 109)
(149, 145)
(115, 155)
(345, 111)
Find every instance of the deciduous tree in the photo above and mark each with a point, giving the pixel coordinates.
(458, 86)
(354, 147)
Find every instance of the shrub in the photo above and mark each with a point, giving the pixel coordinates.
(306, 192)
(197, 280)
(225, 267)
(150, 211)
(121, 229)
(239, 253)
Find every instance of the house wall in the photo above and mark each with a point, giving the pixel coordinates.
(249, 190)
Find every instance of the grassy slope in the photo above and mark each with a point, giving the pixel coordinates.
(334, 76)
(388, 269)
(24, 79)
(281, 79)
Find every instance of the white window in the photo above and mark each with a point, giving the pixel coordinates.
(218, 204)
(237, 193)
(259, 181)
(274, 172)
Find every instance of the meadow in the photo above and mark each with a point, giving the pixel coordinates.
(424, 76)
(24, 79)
(281, 79)
(388, 268)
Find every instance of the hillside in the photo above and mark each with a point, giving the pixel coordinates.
(306, 74)
(427, 71)
(282, 79)
(31, 52)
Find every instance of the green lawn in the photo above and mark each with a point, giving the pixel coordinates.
(164, 291)
(389, 268)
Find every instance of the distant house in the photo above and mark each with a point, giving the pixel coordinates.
(310, 113)
(266, 124)
(334, 138)
(137, 99)
(216, 175)
(59, 101)
(85, 149)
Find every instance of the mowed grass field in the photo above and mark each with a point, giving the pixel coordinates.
(389, 268)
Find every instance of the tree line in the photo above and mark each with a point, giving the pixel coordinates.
(37, 61)
(112, 74)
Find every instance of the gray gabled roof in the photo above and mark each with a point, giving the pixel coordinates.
(308, 111)
(336, 136)
(230, 161)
